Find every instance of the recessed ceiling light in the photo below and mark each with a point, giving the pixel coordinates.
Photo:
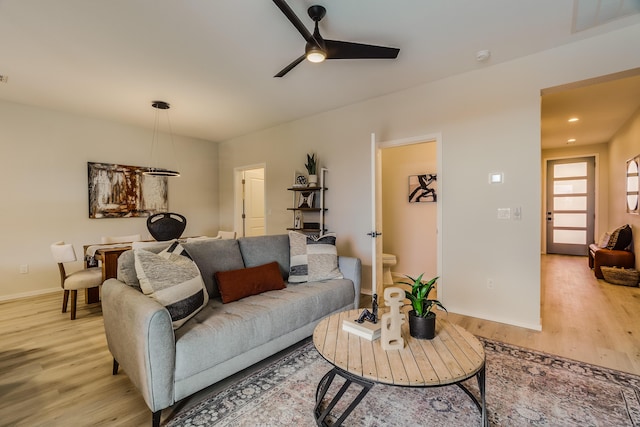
(573, 119)
(571, 140)
(4, 78)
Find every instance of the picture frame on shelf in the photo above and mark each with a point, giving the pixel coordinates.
(305, 200)
(299, 180)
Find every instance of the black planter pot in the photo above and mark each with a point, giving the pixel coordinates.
(422, 327)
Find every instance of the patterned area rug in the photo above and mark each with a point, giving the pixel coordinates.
(524, 387)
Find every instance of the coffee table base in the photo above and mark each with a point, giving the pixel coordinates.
(327, 380)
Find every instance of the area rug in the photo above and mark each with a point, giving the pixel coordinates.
(524, 388)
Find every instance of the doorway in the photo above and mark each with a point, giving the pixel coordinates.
(250, 201)
(570, 205)
(406, 236)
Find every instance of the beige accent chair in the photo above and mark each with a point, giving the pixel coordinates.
(83, 279)
(106, 240)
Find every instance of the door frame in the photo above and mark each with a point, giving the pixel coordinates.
(543, 201)
(426, 138)
(238, 197)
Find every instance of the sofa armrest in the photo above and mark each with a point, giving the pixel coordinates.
(351, 268)
(140, 337)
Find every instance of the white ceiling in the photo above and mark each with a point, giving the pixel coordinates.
(214, 60)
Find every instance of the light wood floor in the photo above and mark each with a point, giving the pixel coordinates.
(57, 372)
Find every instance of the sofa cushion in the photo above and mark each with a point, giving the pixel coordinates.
(313, 258)
(126, 272)
(236, 284)
(260, 250)
(620, 238)
(213, 255)
(173, 279)
(223, 331)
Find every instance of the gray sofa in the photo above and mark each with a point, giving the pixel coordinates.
(222, 339)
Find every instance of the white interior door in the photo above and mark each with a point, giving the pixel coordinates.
(376, 220)
(254, 206)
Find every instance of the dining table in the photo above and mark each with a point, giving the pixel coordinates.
(106, 255)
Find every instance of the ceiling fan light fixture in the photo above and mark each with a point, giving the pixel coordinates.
(315, 54)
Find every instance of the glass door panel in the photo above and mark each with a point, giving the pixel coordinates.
(570, 205)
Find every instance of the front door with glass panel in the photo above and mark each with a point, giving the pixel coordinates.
(570, 205)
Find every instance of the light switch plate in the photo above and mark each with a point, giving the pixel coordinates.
(504, 213)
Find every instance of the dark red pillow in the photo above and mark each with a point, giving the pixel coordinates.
(237, 284)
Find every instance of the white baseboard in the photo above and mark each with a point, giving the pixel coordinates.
(29, 294)
(532, 326)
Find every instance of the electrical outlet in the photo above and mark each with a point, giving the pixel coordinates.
(24, 268)
(489, 283)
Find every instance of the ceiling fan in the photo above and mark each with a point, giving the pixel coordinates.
(318, 49)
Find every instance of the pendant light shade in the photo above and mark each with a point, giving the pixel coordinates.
(155, 170)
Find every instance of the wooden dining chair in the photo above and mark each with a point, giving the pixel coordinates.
(82, 279)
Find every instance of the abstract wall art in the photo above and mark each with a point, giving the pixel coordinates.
(121, 191)
(423, 188)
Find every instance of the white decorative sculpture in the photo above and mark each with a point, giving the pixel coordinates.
(391, 334)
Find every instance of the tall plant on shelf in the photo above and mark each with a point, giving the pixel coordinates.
(311, 166)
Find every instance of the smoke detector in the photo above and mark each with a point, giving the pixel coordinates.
(483, 55)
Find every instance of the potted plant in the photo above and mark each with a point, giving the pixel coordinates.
(422, 319)
(311, 166)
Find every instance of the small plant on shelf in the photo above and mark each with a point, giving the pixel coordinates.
(311, 166)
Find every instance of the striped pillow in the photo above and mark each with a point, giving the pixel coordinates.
(313, 258)
(173, 279)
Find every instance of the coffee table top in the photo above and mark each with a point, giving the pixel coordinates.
(452, 356)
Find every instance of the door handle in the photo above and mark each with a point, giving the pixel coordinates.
(549, 216)
(374, 234)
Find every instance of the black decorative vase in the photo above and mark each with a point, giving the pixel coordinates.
(423, 328)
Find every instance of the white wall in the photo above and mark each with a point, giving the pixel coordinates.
(401, 219)
(624, 145)
(45, 190)
(489, 121)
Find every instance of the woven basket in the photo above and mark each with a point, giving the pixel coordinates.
(621, 276)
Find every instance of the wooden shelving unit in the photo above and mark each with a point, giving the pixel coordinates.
(311, 216)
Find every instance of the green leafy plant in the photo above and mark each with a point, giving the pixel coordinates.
(311, 164)
(419, 296)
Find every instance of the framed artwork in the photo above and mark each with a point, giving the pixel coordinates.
(299, 180)
(423, 188)
(633, 185)
(121, 191)
(305, 199)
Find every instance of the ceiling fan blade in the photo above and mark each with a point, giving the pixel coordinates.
(290, 67)
(347, 50)
(284, 7)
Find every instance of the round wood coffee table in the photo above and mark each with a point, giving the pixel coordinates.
(453, 356)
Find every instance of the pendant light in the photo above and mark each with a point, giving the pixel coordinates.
(154, 170)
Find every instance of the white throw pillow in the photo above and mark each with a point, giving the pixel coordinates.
(313, 258)
(173, 279)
